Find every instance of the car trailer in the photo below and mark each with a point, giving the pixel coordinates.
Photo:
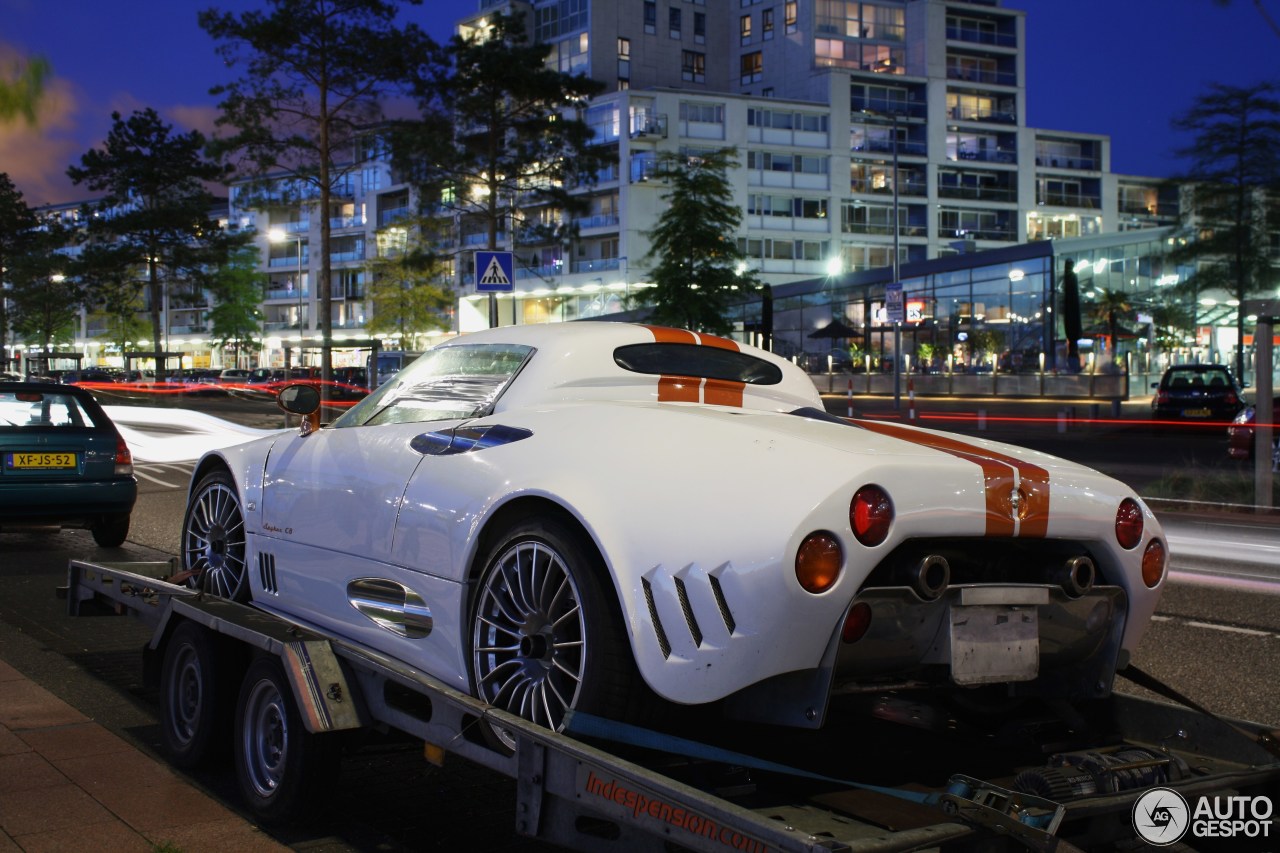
(279, 692)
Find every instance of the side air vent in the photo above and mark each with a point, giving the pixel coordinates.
(661, 633)
(689, 618)
(465, 439)
(725, 613)
(267, 572)
(392, 606)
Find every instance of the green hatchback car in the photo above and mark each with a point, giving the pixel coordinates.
(63, 462)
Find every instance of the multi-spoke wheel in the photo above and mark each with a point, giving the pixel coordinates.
(546, 637)
(213, 539)
(281, 767)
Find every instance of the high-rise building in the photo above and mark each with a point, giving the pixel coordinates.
(849, 118)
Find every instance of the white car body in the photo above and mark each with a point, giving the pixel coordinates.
(697, 495)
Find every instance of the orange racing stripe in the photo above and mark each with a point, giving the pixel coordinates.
(1030, 519)
(692, 389)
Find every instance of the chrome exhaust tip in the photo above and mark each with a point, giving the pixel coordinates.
(931, 577)
(1077, 576)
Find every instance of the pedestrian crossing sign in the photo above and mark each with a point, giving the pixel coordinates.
(495, 272)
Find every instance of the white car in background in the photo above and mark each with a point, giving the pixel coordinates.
(590, 515)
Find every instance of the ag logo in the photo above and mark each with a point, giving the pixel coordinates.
(1161, 816)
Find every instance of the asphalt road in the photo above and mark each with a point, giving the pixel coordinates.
(1217, 643)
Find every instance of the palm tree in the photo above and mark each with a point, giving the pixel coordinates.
(1110, 307)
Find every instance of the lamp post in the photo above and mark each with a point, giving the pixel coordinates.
(278, 235)
(897, 327)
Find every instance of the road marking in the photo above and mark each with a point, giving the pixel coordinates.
(148, 470)
(1216, 626)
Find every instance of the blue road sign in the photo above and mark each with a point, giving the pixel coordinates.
(495, 272)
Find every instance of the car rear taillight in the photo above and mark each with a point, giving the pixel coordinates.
(1129, 524)
(818, 562)
(1232, 399)
(871, 515)
(1153, 563)
(124, 459)
(1162, 398)
(856, 623)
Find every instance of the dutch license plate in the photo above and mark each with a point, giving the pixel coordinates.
(1197, 413)
(994, 643)
(44, 461)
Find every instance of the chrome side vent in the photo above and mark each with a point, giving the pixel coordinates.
(721, 602)
(392, 606)
(267, 573)
(689, 618)
(663, 644)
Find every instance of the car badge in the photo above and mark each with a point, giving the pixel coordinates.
(1019, 504)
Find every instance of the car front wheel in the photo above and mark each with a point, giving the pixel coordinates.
(213, 539)
(546, 635)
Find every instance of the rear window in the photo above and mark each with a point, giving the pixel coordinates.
(23, 410)
(1186, 379)
(668, 359)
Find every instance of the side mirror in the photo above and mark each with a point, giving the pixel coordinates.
(299, 399)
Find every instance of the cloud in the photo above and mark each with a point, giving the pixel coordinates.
(36, 156)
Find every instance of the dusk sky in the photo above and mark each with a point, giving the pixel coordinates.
(1117, 67)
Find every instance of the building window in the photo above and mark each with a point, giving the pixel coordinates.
(650, 16)
(705, 113)
(752, 67)
(624, 61)
(673, 21)
(766, 24)
(700, 27)
(744, 29)
(693, 66)
(789, 17)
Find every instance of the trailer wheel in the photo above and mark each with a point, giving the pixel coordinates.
(280, 766)
(213, 540)
(193, 695)
(546, 637)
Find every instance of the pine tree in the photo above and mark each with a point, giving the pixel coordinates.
(698, 268)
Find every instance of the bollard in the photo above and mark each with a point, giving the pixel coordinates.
(1062, 420)
(1115, 408)
(850, 398)
(911, 399)
(982, 420)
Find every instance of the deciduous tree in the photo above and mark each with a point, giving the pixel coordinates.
(315, 76)
(236, 316)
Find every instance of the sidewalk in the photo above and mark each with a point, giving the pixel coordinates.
(66, 783)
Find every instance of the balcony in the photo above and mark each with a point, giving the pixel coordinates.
(386, 217)
(1059, 161)
(288, 261)
(992, 193)
(286, 293)
(597, 265)
(973, 35)
(986, 76)
(601, 220)
(1059, 199)
(346, 222)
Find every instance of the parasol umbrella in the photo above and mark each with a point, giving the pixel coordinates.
(836, 329)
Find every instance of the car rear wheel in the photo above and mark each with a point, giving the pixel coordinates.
(111, 532)
(546, 635)
(213, 539)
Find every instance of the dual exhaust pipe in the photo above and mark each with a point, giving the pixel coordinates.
(931, 575)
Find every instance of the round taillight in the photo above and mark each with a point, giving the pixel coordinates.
(856, 622)
(818, 562)
(1153, 563)
(1129, 524)
(870, 515)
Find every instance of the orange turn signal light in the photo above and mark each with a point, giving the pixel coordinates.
(818, 562)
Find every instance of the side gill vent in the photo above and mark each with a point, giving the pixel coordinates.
(267, 572)
(658, 630)
(725, 613)
(689, 618)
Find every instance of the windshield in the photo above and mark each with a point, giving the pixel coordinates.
(446, 383)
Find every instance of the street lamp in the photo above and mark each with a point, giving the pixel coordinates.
(278, 235)
(897, 327)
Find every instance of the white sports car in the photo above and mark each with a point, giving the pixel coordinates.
(584, 515)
